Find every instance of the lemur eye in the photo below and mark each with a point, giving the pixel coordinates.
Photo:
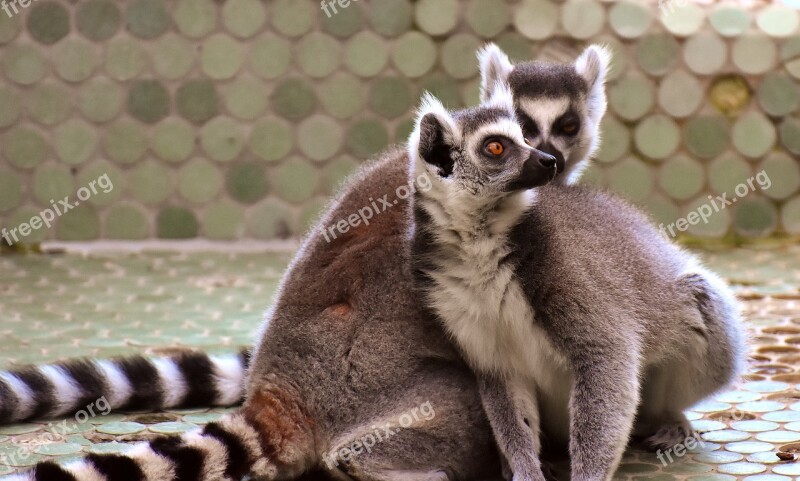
(528, 141)
(570, 129)
(495, 148)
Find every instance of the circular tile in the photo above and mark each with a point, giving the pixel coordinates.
(632, 97)
(787, 469)
(9, 105)
(195, 18)
(22, 63)
(100, 99)
(74, 141)
(223, 220)
(199, 181)
(108, 179)
(715, 226)
(293, 99)
(706, 137)
(221, 56)
(293, 18)
(685, 20)
(742, 468)
(657, 53)
(761, 406)
(295, 181)
(196, 100)
(171, 223)
(782, 416)
(49, 103)
(271, 139)
(23, 147)
(366, 54)
(756, 217)
(790, 134)
(630, 19)
(323, 137)
(173, 140)
(75, 60)
(246, 182)
(790, 220)
(631, 178)
(222, 139)
(148, 101)
(729, 21)
(333, 174)
(150, 182)
(243, 18)
(778, 20)
(10, 190)
(270, 56)
(318, 54)
(583, 19)
(126, 222)
(616, 139)
(147, 18)
(681, 177)
(48, 22)
(754, 54)
(82, 224)
(414, 54)
(125, 58)
(719, 457)
(663, 210)
(778, 437)
(436, 17)
(790, 54)
(244, 97)
(726, 172)
(390, 97)
(730, 94)
(125, 142)
(726, 436)
(488, 18)
(783, 175)
(269, 220)
(173, 56)
(657, 136)
(705, 53)
(391, 17)
(458, 56)
(98, 20)
(366, 138)
(9, 30)
(778, 94)
(753, 134)
(680, 94)
(345, 22)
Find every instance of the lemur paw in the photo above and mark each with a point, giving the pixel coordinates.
(668, 436)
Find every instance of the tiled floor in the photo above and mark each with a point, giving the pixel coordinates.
(60, 306)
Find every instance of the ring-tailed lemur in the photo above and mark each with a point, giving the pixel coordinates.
(568, 304)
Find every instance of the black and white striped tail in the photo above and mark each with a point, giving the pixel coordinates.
(225, 450)
(189, 379)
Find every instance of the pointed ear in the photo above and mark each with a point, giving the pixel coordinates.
(434, 136)
(593, 65)
(495, 68)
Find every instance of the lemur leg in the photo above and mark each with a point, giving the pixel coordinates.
(602, 409)
(514, 418)
(713, 358)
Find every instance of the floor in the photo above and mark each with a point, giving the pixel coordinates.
(109, 303)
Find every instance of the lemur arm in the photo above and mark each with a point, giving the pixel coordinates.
(603, 406)
(518, 441)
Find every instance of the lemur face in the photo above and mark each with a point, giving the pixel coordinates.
(481, 151)
(559, 106)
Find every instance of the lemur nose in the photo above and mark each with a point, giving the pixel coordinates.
(545, 159)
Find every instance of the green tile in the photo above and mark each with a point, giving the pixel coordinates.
(269, 219)
(196, 100)
(619, 56)
(784, 174)
(632, 97)
(243, 18)
(23, 147)
(150, 182)
(127, 221)
(730, 94)
(680, 94)
(173, 140)
(488, 18)
(24, 215)
(293, 99)
(147, 18)
(754, 53)
(48, 22)
(334, 173)
(199, 181)
(100, 99)
(244, 97)
(616, 139)
(436, 17)
(10, 189)
(790, 54)
(10, 28)
(727, 171)
(414, 54)
(173, 56)
(729, 21)
(515, 45)
(98, 170)
(790, 134)
(223, 220)
(790, 216)
(630, 19)
(366, 138)
(753, 134)
(714, 227)
(9, 105)
(390, 97)
(342, 95)
(778, 20)
(755, 217)
(295, 180)
(471, 92)
(309, 214)
(366, 54)
(662, 209)
(125, 58)
(58, 449)
(684, 20)
(657, 136)
(172, 223)
(345, 22)
(458, 55)
(271, 139)
(323, 137)
(293, 18)
(79, 224)
(657, 53)
(221, 56)
(778, 94)
(195, 18)
(98, 20)
(172, 428)
(318, 54)
(705, 53)
(74, 141)
(49, 103)
(246, 182)
(391, 17)
(22, 63)
(631, 178)
(148, 101)
(706, 137)
(270, 56)
(125, 141)
(75, 60)
(681, 177)
(222, 139)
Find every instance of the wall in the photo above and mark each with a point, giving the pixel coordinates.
(237, 119)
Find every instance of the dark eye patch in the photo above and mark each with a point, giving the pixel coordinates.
(568, 124)
(529, 127)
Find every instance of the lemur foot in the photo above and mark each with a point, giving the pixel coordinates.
(668, 436)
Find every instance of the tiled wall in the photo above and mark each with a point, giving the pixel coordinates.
(237, 119)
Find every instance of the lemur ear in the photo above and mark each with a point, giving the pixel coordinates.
(434, 135)
(593, 65)
(495, 69)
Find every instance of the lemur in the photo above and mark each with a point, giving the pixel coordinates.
(571, 308)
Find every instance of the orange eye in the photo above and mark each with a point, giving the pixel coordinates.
(569, 128)
(495, 148)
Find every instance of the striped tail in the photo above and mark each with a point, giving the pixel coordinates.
(226, 450)
(190, 379)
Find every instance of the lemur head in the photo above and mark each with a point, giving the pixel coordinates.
(478, 152)
(559, 106)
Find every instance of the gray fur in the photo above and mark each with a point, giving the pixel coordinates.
(570, 307)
